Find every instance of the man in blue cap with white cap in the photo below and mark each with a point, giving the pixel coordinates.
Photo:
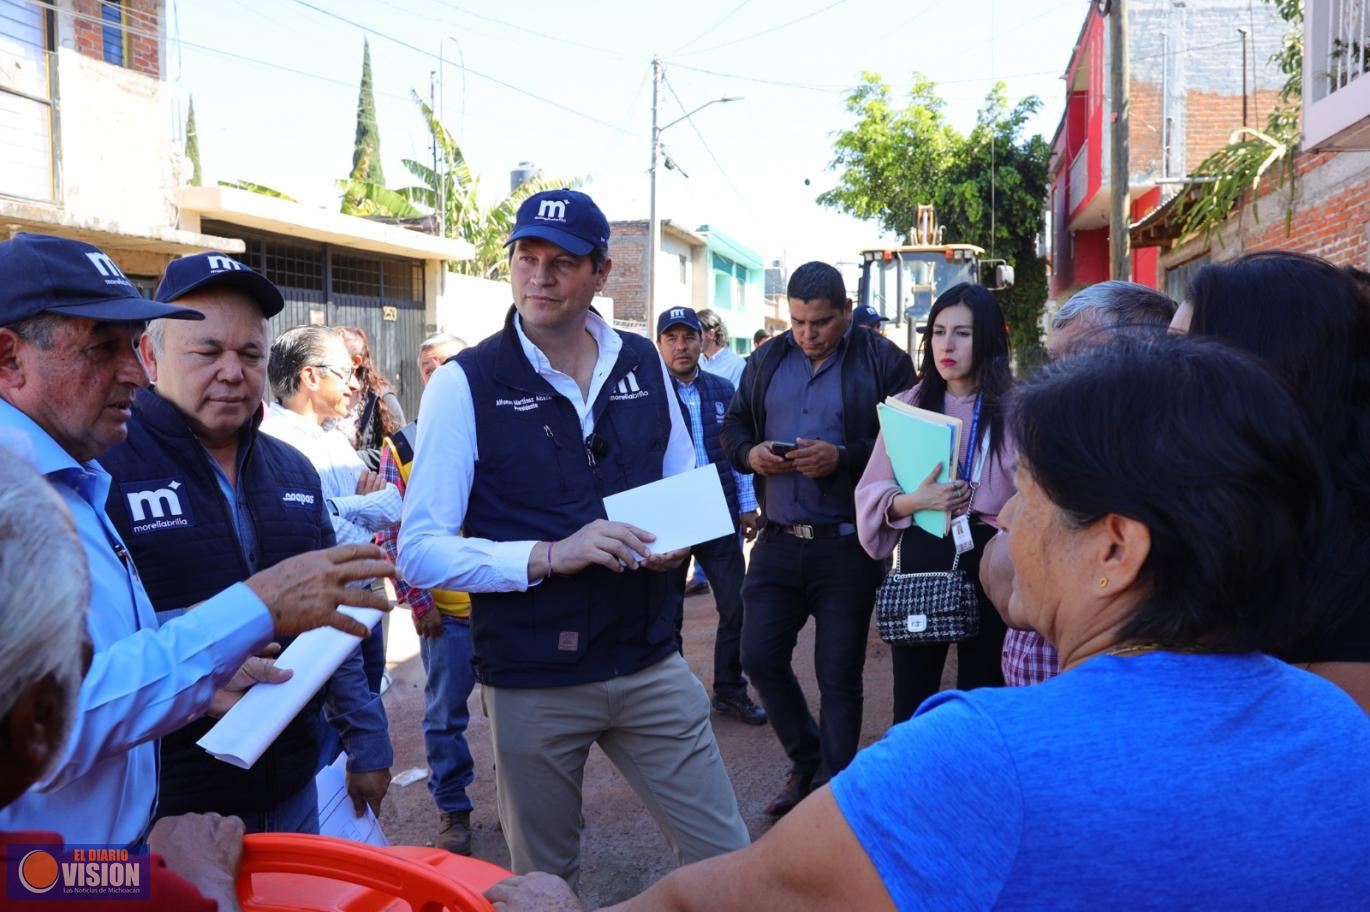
(69, 321)
(573, 617)
(243, 500)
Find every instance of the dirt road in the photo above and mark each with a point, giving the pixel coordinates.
(624, 852)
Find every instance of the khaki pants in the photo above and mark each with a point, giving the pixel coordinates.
(654, 727)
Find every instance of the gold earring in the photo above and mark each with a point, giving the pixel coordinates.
(1103, 582)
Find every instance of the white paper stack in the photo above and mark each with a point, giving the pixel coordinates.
(255, 721)
(681, 510)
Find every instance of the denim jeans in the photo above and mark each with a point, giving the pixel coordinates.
(722, 560)
(790, 580)
(297, 814)
(447, 660)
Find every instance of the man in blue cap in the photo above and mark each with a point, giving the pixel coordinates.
(573, 618)
(69, 320)
(243, 501)
(703, 399)
(868, 317)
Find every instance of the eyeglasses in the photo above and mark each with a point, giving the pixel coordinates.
(341, 375)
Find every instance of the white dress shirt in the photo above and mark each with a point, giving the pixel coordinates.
(432, 553)
(356, 517)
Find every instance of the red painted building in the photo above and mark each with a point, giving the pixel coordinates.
(1186, 98)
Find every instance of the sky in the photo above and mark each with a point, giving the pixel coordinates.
(568, 87)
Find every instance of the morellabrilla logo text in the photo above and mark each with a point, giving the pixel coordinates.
(78, 872)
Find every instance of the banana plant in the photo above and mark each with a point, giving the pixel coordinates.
(456, 188)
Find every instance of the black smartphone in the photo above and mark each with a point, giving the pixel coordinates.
(780, 449)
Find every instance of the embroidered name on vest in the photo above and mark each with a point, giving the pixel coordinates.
(297, 499)
(156, 504)
(628, 388)
(526, 404)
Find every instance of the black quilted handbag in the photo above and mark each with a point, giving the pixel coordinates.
(931, 607)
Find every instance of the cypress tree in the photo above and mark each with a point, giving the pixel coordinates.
(193, 145)
(366, 152)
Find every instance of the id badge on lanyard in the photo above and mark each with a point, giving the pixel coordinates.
(971, 471)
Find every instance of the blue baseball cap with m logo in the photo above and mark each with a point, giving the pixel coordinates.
(40, 273)
(567, 218)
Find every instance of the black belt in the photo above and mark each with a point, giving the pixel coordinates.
(811, 531)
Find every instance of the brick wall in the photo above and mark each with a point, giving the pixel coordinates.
(1330, 216)
(1211, 118)
(142, 18)
(626, 284)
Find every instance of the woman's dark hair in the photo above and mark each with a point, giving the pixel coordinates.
(1309, 321)
(1202, 445)
(989, 349)
(370, 376)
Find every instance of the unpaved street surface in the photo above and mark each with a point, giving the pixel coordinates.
(624, 851)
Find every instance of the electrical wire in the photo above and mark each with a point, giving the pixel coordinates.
(695, 40)
(774, 28)
(703, 142)
(429, 54)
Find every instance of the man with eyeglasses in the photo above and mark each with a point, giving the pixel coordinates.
(69, 375)
(235, 501)
(573, 617)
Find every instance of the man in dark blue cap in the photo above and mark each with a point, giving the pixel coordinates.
(573, 617)
(868, 317)
(69, 319)
(703, 399)
(246, 501)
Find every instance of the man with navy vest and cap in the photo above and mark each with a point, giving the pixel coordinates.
(205, 500)
(573, 617)
(69, 372)
(703, 399)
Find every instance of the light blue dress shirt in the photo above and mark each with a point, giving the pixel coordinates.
(145, 680)
(689, 394)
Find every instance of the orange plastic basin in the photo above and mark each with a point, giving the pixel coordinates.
(288, 871)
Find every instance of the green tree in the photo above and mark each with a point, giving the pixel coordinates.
(193, 146)
(366, 150)
(988, 187)
(452, 190)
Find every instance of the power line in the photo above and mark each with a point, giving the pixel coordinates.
(695, 40)
(775, 82)
(774, 28)
(429, 54)
(524, 30)
(718, 164)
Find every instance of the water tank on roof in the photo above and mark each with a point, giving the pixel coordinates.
(520, 174)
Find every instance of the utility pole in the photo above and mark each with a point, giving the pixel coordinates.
(440, 210)
(1120, 246)
(649, 273)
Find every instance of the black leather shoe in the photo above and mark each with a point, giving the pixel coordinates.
(697, 587)
(795, 790)
(741, 708)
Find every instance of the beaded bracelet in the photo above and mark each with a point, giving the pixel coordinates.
(549, 561)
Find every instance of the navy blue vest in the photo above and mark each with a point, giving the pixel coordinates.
(166, 503)
(715, 393)
(536, 478)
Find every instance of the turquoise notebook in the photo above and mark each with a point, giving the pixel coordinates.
(915, 444)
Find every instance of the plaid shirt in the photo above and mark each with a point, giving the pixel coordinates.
(419, 600)
(1028, 658)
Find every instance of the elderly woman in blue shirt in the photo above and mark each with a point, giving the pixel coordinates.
(1172, 764)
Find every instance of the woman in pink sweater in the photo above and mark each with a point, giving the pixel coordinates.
(963, 372)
